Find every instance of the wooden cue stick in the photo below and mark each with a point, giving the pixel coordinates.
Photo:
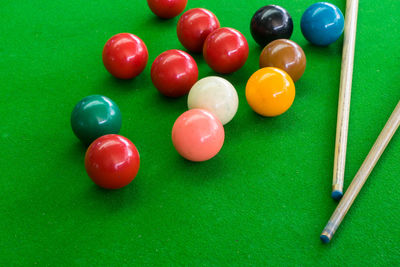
(346, 77)
(362, 175)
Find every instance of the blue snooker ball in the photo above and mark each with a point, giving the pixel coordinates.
(322, 23)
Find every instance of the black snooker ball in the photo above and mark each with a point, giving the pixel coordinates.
(270, 23)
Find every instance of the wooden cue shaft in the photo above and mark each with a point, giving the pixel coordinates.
(346, 77)
(362, 175)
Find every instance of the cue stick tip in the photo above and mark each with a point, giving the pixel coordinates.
(337, 195)
(325, 238)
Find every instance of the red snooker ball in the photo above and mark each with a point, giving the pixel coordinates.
(167, 9)
(225, 50)
(125, 55)
(194, 26)
(112, 161)
(174, 72)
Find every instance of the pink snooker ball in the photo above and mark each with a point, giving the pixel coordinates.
(198, 135)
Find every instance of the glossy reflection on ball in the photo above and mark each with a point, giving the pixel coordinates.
(270, 23)
(322, 23)
(174, 72)
(125, 55)
(94, 116)
(216, 95)
(194, 26)
(225, 50)
(286, 55)
(198, 135)
(167, 9)
(270, 91)
(112, 161)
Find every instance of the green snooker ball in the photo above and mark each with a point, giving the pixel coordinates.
(95, 116)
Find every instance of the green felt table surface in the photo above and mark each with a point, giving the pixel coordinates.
(263, 200)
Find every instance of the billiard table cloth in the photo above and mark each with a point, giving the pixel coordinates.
(263, 200)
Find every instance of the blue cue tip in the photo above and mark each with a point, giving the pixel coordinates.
(337, 195)
(325, 239)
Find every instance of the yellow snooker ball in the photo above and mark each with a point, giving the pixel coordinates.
(270, 91)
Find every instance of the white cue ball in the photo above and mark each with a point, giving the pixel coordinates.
(216, 95)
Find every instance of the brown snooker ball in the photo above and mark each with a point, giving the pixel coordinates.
(286, 55)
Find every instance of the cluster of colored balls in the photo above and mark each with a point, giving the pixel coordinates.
(270, 91)
(112, 161)
(197, 134)
(321, 24)
(224, 49)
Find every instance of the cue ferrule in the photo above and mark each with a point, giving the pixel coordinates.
(362, 175)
